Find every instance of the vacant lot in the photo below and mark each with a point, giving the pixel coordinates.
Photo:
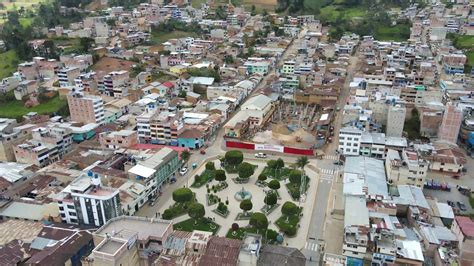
(260, 5)
(332, 12)
(400, 32)
(8, 63)
(464, 42)
(161, 37)
(108, 64)
(16, 109)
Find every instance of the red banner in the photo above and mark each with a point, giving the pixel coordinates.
(252, 146)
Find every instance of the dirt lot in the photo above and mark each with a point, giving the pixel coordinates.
(108, 64)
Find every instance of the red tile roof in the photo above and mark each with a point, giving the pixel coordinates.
(466, 225)
(168, 84)
(221, 251)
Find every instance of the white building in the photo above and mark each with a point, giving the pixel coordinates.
(349, 140)
(405, 168)
(395, 121)
(85, 201)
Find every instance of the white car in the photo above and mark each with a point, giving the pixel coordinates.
(260, 155)
(183, 170)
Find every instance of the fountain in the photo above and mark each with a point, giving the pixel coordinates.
(242, 195)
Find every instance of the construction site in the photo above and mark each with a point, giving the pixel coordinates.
(295, 125)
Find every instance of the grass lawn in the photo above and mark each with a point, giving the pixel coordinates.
(161, 37)
(203, 178)
(400, 32)
(470, 61)
(294, 189)
(9, 63)
(177, 210)
(15, 109)
(277, 174)
(271, 234)
(464, 42)
(25, 22)
(203, 224)
(161, 77)
(197, 3)
(289, 228)
(332, 12)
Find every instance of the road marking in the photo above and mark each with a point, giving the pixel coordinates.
(311, 246)
(331, 157)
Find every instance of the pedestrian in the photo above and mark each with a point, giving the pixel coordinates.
(156, 215)
(310, 258)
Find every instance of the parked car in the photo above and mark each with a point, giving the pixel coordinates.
(183, 170)
(260, 155)
(462, 206)
(450, 203)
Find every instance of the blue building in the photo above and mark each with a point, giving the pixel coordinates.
(453, 69)
(191, 138)
(79, 134)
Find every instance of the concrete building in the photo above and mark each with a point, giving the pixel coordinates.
(463, 228)
(11, 135)
(356, 227)
(165, 127)
(143, 125)
(118, 139)
(395, 121)
(452, 119)
(129, 240)
(405, 168)
(85, 201)
(372, 145)
(61, 137)
(153, 170)
(67, 76)
(260, 67)
(115, 84)
(37, 153)
(349, 140)
(86, 109)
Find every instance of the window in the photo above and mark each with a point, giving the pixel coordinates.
(354, 150)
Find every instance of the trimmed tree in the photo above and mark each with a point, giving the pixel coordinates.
(182, 195)
(196, 211)
(270, 199)
(185, 155)
(289, 208)
(234, 157)
(219, 175)
(262, 177)
(279, 163)
(271, 164)
(245, 170)
(210, 166)
(246, 205)
(259, 221)
(295, 176)
(235, 226)
(274, 184)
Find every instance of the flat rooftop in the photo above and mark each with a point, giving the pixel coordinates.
(110, 246)
(143, 226)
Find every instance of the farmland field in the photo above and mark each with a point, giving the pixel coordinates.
(9, 63)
